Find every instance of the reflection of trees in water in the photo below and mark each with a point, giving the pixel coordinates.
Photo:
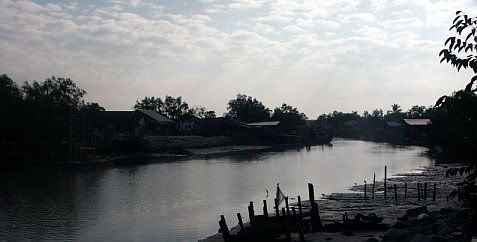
(47, 203)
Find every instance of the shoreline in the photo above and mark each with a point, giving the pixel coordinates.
(333, 206)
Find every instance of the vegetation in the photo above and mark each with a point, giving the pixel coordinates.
(289, 116)
(248, 109)
(458, 112)
(39, 111)
(173, 108)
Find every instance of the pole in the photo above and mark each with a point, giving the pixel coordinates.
(385, 178)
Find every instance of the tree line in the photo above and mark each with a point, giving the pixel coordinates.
(243, 108)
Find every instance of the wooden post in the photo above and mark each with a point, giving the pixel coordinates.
(224, 229)
(385, 178)
(316, 224)
(405, 191)
(240, 221)
(287, 231)
(374, 184)
(418, 191)
(311, 192)
(434, 193)
(300, 227)
(265, 209)
(251, 214)
(299, 206)
(277, 211)
(425, 191)
(395, 193)
(365, 197)
(286, 205)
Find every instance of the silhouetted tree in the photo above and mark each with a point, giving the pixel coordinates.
(150, 103)
(201, 112)
(395, 114)
(456, 118)
(61, 93)
(395, 108)
(416, 112)
(9, 92)
(91, 107)
(50, 103)
(12, 113)
(377, 113)
(248, 109)
(289, 116)
(174, 108)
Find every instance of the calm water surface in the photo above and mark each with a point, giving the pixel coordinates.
(182, 200)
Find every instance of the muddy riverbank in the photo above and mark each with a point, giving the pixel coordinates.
(426, 187)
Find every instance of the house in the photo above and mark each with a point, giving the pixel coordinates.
(137, 122)
(416, 128)
(224, 126)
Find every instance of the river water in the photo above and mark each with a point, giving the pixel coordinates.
(181, 200)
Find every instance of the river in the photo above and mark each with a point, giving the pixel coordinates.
(181, 200)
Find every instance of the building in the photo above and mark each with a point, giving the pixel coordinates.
(416, 129)
(129, 123)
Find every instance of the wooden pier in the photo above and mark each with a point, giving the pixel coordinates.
(334, 212)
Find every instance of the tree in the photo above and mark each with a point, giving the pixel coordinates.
(395, 108)
(12, 113)
(9, 92)
(248, 109)
(288, 116)
(201, 112)
(377, 113)
(416, 112)
(61, 93)
(458, 112)
(91, 107)
(466, 42)
(175, 108)
(366, 114)
(150, 103)
(395, 114)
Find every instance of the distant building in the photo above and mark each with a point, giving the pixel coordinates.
(418, 121)
(138, 122)
(416, 128)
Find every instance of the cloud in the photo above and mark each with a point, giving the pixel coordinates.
(303, 49)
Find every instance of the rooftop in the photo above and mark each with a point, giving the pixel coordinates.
(270, 123)
(155, 116)
(417, 121)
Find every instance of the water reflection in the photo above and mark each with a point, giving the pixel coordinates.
(179, 200)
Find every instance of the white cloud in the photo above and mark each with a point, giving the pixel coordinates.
(302, 49)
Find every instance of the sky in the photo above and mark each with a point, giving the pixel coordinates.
(319, 56)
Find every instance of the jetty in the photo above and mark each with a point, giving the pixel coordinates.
(370, 210)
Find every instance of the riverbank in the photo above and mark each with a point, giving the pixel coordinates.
(402, 195)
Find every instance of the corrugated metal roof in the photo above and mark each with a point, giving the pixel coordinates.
(271, 123)
(417, 121)
(156, 116)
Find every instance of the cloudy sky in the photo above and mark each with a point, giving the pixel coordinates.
(317, 55)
